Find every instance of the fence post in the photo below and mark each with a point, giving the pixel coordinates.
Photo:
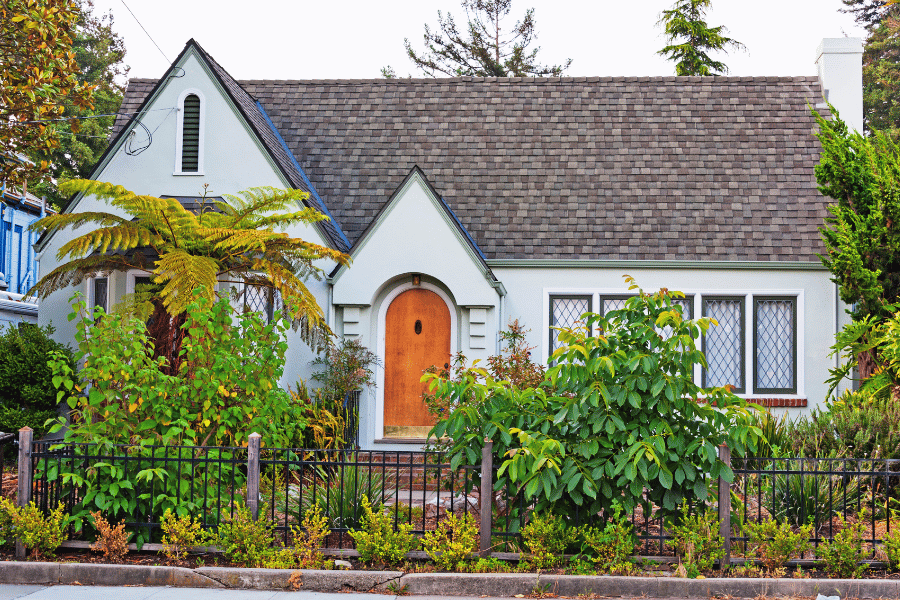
(253, 474)
(725, 508)
(23, 496)
(487, 496)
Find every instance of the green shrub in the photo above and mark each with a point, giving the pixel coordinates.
(843, 554)
(452, 542)
(13, 419)
(547, 536)
(42, 535)
(309, 539)
(775, 544)
(589, 435)
(611, 546)
(798, 498)
(26, 381)
(247, 542)
(891, 541)
(697, 541)
(490, 565)
(226, 386)
(346, 366)
(377, 542)
(181, 533)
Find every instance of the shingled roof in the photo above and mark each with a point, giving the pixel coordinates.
(686, 168)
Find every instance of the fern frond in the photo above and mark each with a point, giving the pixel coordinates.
(76, 271)
(181, 273)
(120, 237)
(259, 200)
(53, 223)
(279, 221)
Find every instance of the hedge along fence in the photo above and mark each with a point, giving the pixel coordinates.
(282, 483)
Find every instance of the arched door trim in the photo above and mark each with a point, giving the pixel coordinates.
(382, 315)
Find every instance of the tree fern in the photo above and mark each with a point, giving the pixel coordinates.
(240, 240)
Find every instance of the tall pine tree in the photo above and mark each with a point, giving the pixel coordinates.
(484, 48)
(691, 40)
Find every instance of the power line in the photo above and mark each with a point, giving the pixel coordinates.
(148, 33)
(115, 114)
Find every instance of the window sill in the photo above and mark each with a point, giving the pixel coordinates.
(191, 174)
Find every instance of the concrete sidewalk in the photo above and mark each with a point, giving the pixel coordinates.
(76, 592)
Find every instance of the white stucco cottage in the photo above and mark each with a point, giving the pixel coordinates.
(468, 202)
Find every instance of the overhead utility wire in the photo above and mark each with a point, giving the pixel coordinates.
(115, 114)
(148, 33)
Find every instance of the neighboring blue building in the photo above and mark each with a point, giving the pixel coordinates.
(18, 267)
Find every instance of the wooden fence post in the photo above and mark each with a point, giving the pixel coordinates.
(487, 496)
(725, 508)
(23, 496)
(253, 474)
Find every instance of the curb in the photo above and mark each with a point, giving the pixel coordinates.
(437, 584)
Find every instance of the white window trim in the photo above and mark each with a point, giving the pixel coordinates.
(89, 290)
(382, 315)
(179, 132)
(698, 294)
(131, 275)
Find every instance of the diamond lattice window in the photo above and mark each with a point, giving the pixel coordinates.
(565, 311)
(724, 344)
(775, 345)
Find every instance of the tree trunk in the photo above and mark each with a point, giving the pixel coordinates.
(167, 333)
(866, 365)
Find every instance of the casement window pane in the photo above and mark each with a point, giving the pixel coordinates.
(565, 312)
(723, 344)
(608, 304)
(261, 299)
(775, 350)
(101, 286)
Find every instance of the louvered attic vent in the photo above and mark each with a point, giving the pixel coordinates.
(190, 142)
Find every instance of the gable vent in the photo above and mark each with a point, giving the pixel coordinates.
(190, 142)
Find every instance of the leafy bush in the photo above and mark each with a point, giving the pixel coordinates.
(775, 544)
(42, 535)
(697, 541)
(13, 419)
(111, 541)
(309, 539)
(247, 542)
(181, 533)
(617, 419)
(547, 536)
(611, 546)
(377, 542)
(452, 542)
(26, 381)
(226, 386)
(843, 554)
(891, 541)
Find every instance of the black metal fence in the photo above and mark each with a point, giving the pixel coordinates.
(419, 488)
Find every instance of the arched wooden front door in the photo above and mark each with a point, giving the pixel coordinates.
(417, 335)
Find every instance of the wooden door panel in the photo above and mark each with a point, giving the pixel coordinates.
(417, 335)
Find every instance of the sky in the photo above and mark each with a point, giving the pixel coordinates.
(298, 39)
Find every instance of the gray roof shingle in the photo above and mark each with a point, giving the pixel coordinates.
(663, 168)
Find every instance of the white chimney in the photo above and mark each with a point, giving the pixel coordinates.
(839, 65)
